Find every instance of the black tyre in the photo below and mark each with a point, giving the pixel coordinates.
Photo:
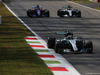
(58, 48)
(89, 47)
(58, 12)
(29, 13)
(79, 14)
(61, 15)
(51, 42)
(48, 14)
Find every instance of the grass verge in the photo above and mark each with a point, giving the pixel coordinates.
(16, 56)
(84, 2)
(98, 8)
(81, 1)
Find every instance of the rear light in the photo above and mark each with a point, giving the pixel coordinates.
(42, 9)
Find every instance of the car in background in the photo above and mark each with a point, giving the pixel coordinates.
(38, 11)
(68, 11)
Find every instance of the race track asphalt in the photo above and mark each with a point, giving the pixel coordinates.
(88, 27)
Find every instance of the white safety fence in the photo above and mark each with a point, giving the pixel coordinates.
(0, 20)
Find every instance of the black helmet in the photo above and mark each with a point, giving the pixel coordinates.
(37, 6)
(68, 32)
(69, 7)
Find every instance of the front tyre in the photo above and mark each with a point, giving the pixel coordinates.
(29, 13)
(79, 14)
(89, 47)
(58, 12)
(59, 48)
(48, 14)
(51, 42)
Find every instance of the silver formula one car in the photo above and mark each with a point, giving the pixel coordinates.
(70, 44)
(38, 11)
(68, 11)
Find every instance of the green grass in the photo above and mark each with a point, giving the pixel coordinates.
(82, 1)
(16, 56)
(98, 8)
(52, 62)
(37, 50)
(34, 42)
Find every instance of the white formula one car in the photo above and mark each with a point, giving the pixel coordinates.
(70, 44)
(68, 11)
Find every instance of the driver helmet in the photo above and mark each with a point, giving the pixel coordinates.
(38, 6)
(68, 32)
(69, 7)
(69, 37)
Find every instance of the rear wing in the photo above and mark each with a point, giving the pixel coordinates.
(65, 33)
(61, 33)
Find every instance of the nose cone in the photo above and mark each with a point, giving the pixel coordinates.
(39, 12)
(70, 12)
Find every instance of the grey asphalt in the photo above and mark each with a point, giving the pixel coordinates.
(88, 27)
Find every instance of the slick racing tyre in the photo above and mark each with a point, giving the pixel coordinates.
(51, 42)
(47, 13)
(79, 14)
(58, 12)
(29, 13)
(61, 14)
(89, 47)
(59, 48)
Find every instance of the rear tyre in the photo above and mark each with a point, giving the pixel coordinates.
(48, 14)
(51, 42)
(61, 15)
(89, 47)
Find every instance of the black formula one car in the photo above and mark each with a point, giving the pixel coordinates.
(68, 11)
(70, 44)
(38, 11)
